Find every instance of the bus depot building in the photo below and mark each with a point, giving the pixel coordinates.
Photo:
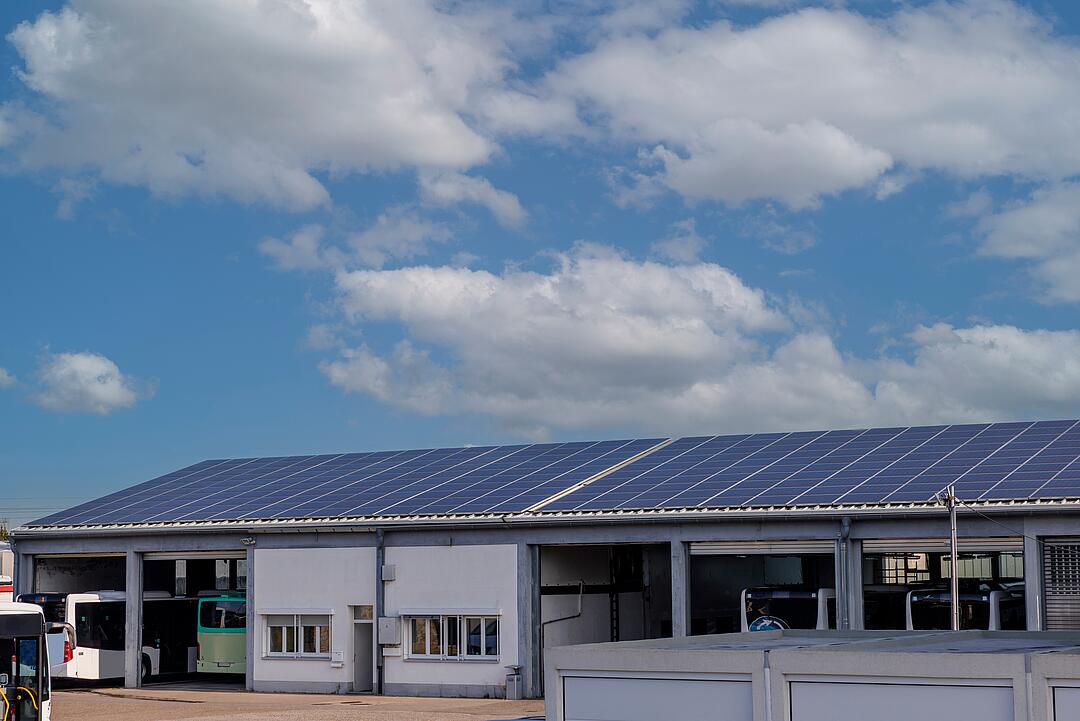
(450, 571)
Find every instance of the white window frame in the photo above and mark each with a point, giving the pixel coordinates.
(461, 620)
(297, 626)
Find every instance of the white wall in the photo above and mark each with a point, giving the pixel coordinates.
(312, 578)
(450, 578)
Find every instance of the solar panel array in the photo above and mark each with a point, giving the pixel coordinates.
(486, 479)
(1016, 461)
(1000, 461)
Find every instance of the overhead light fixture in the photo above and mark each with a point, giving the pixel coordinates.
(248, 541)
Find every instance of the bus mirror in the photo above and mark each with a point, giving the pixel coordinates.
(64, 628)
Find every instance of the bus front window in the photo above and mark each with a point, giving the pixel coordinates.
(26, 699)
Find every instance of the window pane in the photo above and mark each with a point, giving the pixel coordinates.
(309, 639)
(241, 574)
(475, 641)
(290, 639)
(451, 630)
(221, 575)
(324, 639)
(491, 637)
(434, 647)
(419, 636)
(276, 638)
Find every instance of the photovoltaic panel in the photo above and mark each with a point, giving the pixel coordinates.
(992, 461)
(869, 466)
(443, 480)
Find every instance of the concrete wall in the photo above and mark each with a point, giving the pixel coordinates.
(310, 579)
(448, 579)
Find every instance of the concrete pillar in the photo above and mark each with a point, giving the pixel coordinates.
(252, 620)
(529, 652)
(23, 573)
(855, 585)
(1033, 583)
(133, 621)
(680, 589)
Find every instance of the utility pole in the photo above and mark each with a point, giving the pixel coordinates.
(954, 551)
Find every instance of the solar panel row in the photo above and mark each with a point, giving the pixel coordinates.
(484, 479)
(878, 465)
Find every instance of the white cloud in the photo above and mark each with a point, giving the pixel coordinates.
(603, 340)
(302, 251)
(6, 379)
(973, 206)
(84, 383)
(1044, 230)
(683, 245)
(256, 100)
(397, 234)
(447, 189)
(817, 101)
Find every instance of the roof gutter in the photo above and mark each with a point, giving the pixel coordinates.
(541, 519)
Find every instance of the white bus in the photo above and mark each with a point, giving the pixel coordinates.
(25, 687)
(97, 621)
(7, 589)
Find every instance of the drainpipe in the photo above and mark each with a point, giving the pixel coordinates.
(380, 557)
(843, 594)
(580, 599)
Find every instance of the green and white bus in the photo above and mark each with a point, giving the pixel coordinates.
(222, 633)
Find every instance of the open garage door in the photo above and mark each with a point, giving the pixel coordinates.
(762, 585)
(991, 573)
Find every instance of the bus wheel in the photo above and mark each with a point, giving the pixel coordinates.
(145, 668)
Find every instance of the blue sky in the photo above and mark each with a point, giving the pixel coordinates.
(337, 226)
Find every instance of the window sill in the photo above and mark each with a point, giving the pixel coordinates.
(436, 659)
(285, 657)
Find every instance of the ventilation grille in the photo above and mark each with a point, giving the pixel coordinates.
(1061, 581)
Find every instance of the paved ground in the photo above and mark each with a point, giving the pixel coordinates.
(178, 703)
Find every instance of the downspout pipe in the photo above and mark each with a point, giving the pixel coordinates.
(843, 596)
(380, 604)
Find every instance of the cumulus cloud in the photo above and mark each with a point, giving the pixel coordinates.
(399, 233)
(6, 379)
(256, 100)
(84, 383)
(817, 101)
(1044, 230)
(604, 340)
(304, 250)
(447, 189)
(683, 244)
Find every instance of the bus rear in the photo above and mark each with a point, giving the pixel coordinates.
(24, 684)
(222, 629)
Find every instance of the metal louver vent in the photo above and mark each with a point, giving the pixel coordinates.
(1061, 581)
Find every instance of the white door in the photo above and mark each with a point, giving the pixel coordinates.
(832, 700)
(1066, 704)
(590, 698)
(363, 657)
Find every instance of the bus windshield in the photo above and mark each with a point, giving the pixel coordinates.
(219, 614)
(22, 682)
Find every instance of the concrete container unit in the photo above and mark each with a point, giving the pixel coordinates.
(820, 676)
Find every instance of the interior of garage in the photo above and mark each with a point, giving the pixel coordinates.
(174, 591)
(184, 600)
(785, 589)
(599, 593)
(911, 589)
